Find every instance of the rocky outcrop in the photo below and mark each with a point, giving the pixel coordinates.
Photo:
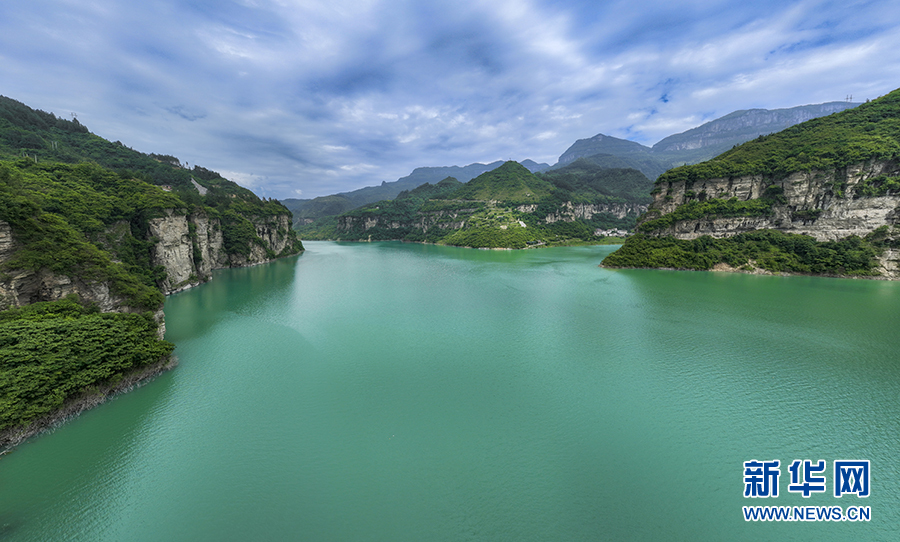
(174, 250)
(569, 212)
(456, 219)
(20, 287)
(423, 221)
(206, 236)
(826, 205)
(190, 247)
(273, 230)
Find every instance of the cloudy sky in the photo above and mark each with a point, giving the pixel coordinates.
(302, 98)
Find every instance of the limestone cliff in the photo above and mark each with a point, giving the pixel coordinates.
(20, 287)
(569, 211)
(422, 221)
(827, 205)
(191, 246)
(457, 219)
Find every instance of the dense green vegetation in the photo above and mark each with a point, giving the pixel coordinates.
(484, 237)
(321, 208)
(45, 138)
(80, 205)
(881, 185)
(53, 352)
(771, 250)
(870, 131)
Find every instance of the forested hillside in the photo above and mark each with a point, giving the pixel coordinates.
(92, 234)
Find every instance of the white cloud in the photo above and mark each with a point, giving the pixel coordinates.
(323, 97)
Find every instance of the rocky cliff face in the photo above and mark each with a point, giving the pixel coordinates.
(452, 220)
(569, 212)
(20, 287)
(190, 247)
(826, 205)
(456, 219)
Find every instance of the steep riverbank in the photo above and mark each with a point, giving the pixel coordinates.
(101, 393)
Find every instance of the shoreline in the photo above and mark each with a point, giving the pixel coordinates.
(118, 384)
(610, 242)
(10, 438)
(725, 268)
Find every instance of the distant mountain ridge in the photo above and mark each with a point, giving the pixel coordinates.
(508, 207)
(744, 125)
(306, 211)
(701, 143)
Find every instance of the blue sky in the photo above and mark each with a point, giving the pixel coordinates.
(307, 98)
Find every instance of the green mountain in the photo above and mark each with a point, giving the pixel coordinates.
(308, 210)
(821, 197)
(92, 235)
(508, 207)
(511, 182)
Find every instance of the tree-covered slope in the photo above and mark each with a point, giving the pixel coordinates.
(61, 219)
(43, 137)
(510, 182)
(307, 211)
(52, 142)
(52, 353)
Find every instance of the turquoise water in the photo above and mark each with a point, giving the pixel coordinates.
(397, 392)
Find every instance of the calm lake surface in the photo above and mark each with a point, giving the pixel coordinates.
(405, 392)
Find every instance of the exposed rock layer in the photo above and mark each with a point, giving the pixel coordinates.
(826, 205)
(188, 246)
(456, 219)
